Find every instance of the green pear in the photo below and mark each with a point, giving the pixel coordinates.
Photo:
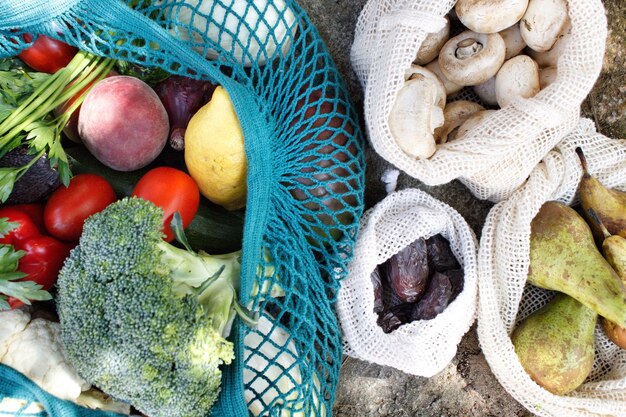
(609, 204)
(555, 344)
(614, 251)
(564, 258)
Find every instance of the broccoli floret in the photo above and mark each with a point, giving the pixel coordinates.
(145, 321)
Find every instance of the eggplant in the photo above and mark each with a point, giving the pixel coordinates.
(37, 183)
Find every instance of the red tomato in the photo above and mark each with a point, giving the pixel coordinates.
(173, 191)
(24, 230)
(68, 208)
(43, 259)
(47, 54)
(34, 211)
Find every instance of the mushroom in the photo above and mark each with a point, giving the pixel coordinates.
(454, 115)
(472, 58)
(513, 41)
(550, 58)
(449, 86)
(518, 77)
(432, 44)
(487, 91)
(547, 76)
(543, 22)
(490, 16)
(473, 121)
(416, 70)
(417, 112)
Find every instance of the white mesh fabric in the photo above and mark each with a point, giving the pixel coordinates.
(422, 347)
(503, 267)
(496, 157)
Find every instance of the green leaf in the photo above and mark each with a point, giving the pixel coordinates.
(6, 226)
(25, 291)
(41, 135)
(8, 176)
(9, 259)
(177, 227)
(5, 110)
(4, 305)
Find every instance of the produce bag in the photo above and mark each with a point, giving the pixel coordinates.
(422, 347)
(497, 156)
(505, 299)
(21, 397)
(304, 160)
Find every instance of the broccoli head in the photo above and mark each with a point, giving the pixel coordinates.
(143, 320)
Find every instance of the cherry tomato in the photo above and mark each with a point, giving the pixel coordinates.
(24, 230)
(42, 260)
(173, 191)
(68, 208)
(34, 211)
(47, 54)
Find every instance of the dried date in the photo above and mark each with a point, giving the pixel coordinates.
(457, 279)
(407, 271)
(440, 255)
(395, 316)
(435, 299)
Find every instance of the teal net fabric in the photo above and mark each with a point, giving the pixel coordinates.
(16, 386)
(305, 168)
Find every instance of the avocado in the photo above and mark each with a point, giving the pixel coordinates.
(37, 183)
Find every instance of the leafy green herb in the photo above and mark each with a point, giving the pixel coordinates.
(25, 291)
(16, 84)
(6, 226)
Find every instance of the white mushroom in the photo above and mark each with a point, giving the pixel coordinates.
(473, 121)
(513, 41)
(454, 115)
(472, 58)
(417, 112)
(448, 85)
(487, 91)
(490, 16)
(415, 70)
(547, 76)
(518, 77)
(432, 44)
(550, 58)
(543, 22)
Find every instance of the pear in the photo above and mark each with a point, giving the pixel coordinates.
(555, 344)
(609, 204)
(564, 258)
(614, 251)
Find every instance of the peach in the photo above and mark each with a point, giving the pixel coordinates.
(123, 123)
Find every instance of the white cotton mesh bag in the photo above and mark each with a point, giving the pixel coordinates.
(503, 267)
(422, 347)
(497, 156)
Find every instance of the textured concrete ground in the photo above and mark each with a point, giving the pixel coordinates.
(466, 387)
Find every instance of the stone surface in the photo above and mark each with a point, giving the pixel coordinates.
(606, 103)
(466, 387)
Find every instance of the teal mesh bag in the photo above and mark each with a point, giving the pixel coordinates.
(305, 168)
(31, 401)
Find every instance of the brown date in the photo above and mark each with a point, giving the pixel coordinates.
(407, 271)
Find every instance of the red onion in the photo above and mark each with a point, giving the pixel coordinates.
(182, 97)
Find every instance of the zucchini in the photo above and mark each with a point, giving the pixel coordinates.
(214, 229)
